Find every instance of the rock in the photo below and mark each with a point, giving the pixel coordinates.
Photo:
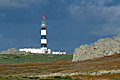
(13, 51)
(101, 48)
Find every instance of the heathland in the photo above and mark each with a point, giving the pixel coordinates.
(98, 68)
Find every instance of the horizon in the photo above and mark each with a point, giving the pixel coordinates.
(70, 23)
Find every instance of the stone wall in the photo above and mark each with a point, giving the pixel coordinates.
(101, 48)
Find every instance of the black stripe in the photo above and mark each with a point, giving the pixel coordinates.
(43, 45)
(43, 28)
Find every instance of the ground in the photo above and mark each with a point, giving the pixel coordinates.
(66, 68)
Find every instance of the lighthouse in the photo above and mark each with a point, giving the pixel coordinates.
(44, 48)
(43, 35)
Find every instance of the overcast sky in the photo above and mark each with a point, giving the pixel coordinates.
(70, 23)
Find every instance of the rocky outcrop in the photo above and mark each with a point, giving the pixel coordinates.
(101, 72)
(13, 51)
(101, 48)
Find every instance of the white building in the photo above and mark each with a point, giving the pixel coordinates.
(34, 50)
(58, 52)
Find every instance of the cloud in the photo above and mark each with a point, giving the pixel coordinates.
(107, 30)
(63, 1)
(95, 9)
(20, 4)
(104, 15)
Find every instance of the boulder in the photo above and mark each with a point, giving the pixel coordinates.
(101, 48)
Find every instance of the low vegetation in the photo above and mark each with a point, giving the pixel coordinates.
(49, 78)
(99, 68)
(37, 78)
(23, 58)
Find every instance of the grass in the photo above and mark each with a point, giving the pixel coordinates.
(49, 78)
(37, 78)
(21, 58)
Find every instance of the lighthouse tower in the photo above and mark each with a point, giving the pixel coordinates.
(43, 35)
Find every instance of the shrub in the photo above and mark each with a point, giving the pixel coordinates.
(67, 78)
(57, 77)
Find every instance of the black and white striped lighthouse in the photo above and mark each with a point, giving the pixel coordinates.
(43, 34)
